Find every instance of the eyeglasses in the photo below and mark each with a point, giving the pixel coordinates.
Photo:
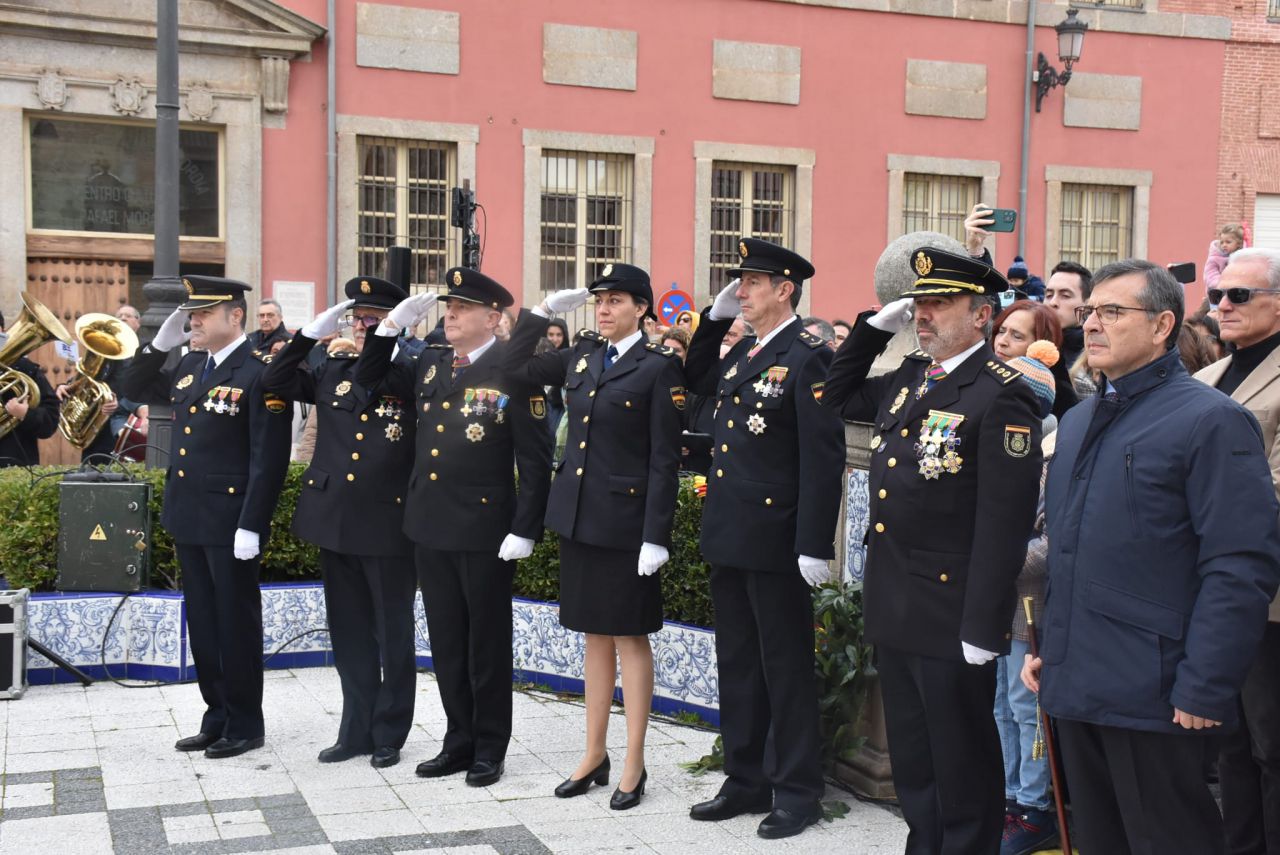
(365, 321)
(1108, 314)
(1237, 296)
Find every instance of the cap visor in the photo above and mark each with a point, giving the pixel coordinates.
(935, 291)
(198, 303)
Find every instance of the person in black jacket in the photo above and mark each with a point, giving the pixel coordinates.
(768, 528)
(476, 421)
(352, 507)
(227, 465)
(612, 503)
(20, 446)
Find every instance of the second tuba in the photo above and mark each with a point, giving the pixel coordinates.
(34, 326)
(103, 338)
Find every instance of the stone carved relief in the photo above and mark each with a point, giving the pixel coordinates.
(51, 89)
(275, 84)
(200, 102)
(128, 96)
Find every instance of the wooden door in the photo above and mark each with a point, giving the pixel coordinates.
(71, 287)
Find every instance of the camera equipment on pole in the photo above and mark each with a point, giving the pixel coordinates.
(399, 262)
(462, 215)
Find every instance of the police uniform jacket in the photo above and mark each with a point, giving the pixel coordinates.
(616, 487)
(353, 493)
(20, 446)
(947, 536)
(773, 492)
(230, 446)
(462, 491)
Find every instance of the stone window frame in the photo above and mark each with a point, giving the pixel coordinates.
(898, 165)
(705, 155)
(463, 137)
(1055, 175)
(535, 141)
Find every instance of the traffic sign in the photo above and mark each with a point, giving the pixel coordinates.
(672, 303)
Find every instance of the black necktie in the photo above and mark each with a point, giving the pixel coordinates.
(208, 368)
(609, 356)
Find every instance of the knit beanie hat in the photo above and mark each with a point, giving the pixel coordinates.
(1018, 270)
(1040, 357)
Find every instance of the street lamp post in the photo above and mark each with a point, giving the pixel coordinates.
(1070, 41)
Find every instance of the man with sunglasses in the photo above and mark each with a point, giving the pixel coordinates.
(1164, 556)
(1247, 305)
(352, 506)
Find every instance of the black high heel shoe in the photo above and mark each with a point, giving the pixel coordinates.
(577, 786)
(622, 801)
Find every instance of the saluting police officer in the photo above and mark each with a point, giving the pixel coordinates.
(955, 477)
(352, 507)
(476, 422)
(612, 504)
(768, 527)
(229, 454)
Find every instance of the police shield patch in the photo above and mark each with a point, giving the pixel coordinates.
(538, 406)
(677, 396)
(1017, 440)
(275, 405)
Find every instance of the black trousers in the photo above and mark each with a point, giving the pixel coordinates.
(1249, 763)
(768, 692)
(224, 629)
(467, 596)
(945, 750)
(369, 602)
(1134, 792)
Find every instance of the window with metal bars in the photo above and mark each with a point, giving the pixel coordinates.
(938, 203)
(1112, 4)
(748, 200)
(1273, 9)
(585, 221)
(403, 191)
(1096, 224)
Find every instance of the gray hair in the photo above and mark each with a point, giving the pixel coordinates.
(1256, 253)
(976, 302)
(825, 331)
(268, 301)
(776, 281)
(1160, 293)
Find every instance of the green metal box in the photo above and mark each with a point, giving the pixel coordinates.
(104, 537)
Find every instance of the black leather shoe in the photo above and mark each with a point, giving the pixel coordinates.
(727, 807)
(199, 742)
(442, 764)
(338, 753)
(577, 786)
(384, 757)
(232, 747)
(484, 772)
(786, 823)
(623, 801)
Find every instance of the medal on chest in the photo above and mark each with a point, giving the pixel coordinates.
(900, 400)
(937, 448)
(390, 408)
(234, 406)
(770, 383)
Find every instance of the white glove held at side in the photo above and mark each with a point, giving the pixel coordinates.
(326, 323)
(246, 545)
(171, 333)
(814, 570)
(514, 547)
(894, 316)
(976, 655)
(727, 305)
(652, 557)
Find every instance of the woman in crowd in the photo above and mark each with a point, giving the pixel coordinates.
(1017, 327)
(558, 335)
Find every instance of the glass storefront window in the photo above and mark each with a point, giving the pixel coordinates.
(100, 177)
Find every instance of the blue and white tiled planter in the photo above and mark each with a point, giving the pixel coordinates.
(148, 641)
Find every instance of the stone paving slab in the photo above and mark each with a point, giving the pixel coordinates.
(92, 769)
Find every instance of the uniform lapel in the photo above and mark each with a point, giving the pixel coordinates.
(222, 373)
(767, 357)
(947, 391)
(624, 365)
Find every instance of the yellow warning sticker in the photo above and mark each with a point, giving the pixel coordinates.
(98, 533)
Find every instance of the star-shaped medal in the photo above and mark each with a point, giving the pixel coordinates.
(394, 432)
(756, 424)
(475, 432)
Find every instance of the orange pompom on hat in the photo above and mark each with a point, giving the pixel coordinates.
(1040, 357)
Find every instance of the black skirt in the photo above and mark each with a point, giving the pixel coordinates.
(601, 593)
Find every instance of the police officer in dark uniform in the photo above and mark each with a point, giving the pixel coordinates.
(476, 422)
(955, 477)
(229, 454)
(768, 528)
(352, 507)
(612, 504)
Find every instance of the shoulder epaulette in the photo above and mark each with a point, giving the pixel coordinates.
(920, 354)
(591, 335)
(1002, 372)
(440, 346)
(262, 356)
(344, 354)
(812, 340)
(659, 348)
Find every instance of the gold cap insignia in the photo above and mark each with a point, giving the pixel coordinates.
(608, 270)
(364, 287)
(742, 248)
(457, 278)
(191, 289)
(923, 264)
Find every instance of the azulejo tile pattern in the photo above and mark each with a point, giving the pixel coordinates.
(857, 515)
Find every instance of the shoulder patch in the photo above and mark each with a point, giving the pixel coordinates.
(659, 348)
(812, 340)
(921, 355)
(1002, 372)
(590, 335)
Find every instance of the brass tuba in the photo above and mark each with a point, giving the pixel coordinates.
(103, 338)
(34, 326)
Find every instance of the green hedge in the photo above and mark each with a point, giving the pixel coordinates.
(29, 544)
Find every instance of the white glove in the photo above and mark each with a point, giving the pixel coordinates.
(814, 570)
(976, 655)
(246, 545)
(326, 323)
(652, 557)
(171, 333)
(566, 301)
(409, 313)
(727, 305)
(894, 316)
(514, 547)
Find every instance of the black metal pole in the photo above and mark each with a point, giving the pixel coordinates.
(164, 291)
